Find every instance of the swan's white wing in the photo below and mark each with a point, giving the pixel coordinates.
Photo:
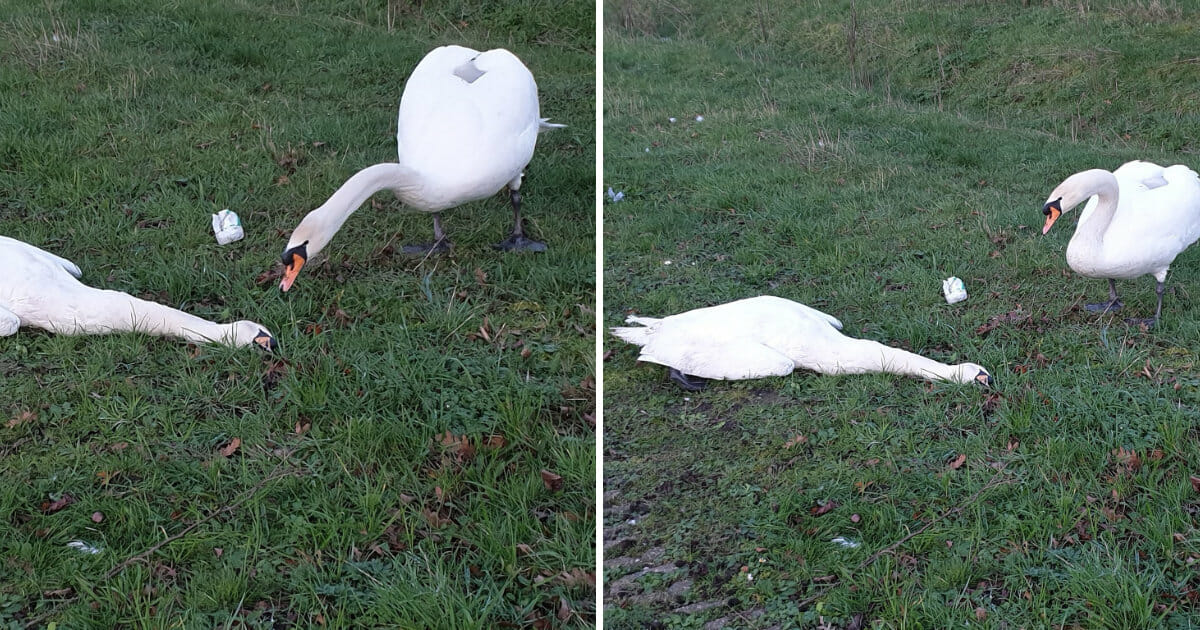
(35, 252)
(721, 361)
(1152, 225)
(468, 122)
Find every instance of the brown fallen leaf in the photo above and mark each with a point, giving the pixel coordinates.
(823, 508)
(980, 613)
(552, 481)
(21, 418)
(301, 429)
(1195, 482)
(799, 439)
(958, 461)
(480, 277)
(231, 448)
(495, 441)
(564, 609)
(270, 275)
(524, 549)
(50, 507)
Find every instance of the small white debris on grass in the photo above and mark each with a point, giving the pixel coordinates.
(647, 149)
(614, 197)
(227, 226)
(632, 521)
(954, 290)
(672, 119)
(699, 119)
(845, 542)
(749, 577)
(84, 547)
(666, 262)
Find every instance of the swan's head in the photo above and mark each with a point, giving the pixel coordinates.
(245, 333)
(1075, 189)
(293, 259)
(974, 373)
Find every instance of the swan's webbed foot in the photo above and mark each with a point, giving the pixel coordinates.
(1105, 307)
(520, 243)
(687, 381)
(441, 246)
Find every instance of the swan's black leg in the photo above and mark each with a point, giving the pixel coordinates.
(1113, 304)
(518, 241)
(687, 381)
(440, 244)
(1158, 290)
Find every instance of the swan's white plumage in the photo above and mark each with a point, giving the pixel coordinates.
(465, 139)
(1137, 219)
(41, 290)
(772, 336)
(467, 127)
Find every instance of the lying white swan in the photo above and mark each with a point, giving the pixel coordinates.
(771, 336)
(41, 290)
(1138, 219)
(467, 127)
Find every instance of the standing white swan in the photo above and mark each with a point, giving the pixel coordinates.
(771, 336)
(467, 127)
(1138, 219)
(41, 290)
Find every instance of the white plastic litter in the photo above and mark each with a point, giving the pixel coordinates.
(954, 290)
(699, 119)
(614, 197)
(845, 542)
(227, 226)
(84, 547)
(672, 119)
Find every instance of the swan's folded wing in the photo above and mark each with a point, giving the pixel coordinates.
(721, 361)
(39, 253)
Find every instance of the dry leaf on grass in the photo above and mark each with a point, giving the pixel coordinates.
(823, 508)
(552, 481)
(231, 448)
(799, 439)
(21, 418)
(50, 507)
(958, 462)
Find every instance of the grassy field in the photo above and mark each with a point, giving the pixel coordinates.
(419, 454)
(851, 155)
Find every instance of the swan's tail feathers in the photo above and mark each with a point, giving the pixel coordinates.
(72, 268)
(635, 335)
(645, 321)
(544, 123)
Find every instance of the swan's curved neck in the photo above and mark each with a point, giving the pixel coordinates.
(322, 223)
(114, 311)
(860, 356)
(1089, 234)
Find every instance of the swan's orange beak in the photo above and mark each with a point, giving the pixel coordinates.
(265, 341)
(1052, 210)
(291, 271)
(293, 259)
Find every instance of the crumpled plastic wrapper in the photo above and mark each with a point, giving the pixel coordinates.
(227, 226)
(954, 290)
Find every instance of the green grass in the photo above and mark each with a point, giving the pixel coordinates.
(851, 156)
(352, 500)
